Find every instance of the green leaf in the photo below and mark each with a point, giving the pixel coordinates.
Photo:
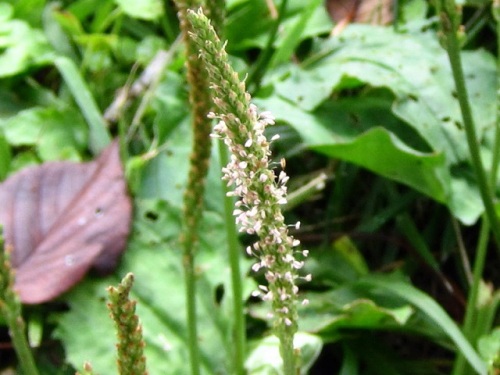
(380, 151)
(144, 9)
(432, 309)
(155, 258)
(57, 134)
(329, 312)
(22, 47)
(489, 347)
(5, 157)
(415, 69)
(376, 149)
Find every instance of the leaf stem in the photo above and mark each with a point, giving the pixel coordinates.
(234, 262)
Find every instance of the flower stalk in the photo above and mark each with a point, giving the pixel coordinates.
(198, 169)
(10, 308)
(259, 191)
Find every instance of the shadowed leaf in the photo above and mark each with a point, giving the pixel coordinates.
(63, 218)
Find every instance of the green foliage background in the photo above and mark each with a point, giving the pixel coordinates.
(375, 108)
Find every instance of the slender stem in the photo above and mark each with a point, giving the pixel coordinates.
(26, 361)
(10, 308)
(481, 251)
(190, 281)
(496, 147)
(453, 49)
(234, 262)
(460, 365)
(198, 169)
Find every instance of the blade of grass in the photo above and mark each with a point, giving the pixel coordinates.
(99, 134)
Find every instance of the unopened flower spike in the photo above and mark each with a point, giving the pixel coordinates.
(131, 359)
(259, 191)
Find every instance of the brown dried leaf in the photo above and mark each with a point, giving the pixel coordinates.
(63, 218)
(343, 12)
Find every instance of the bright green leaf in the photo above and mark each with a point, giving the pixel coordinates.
(432, 309)
(57, 134)
(22, 48)
(154, 256)
(144, 9)
(489, 347)
(5, 157)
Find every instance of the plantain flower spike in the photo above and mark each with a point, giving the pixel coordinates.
(260, 193)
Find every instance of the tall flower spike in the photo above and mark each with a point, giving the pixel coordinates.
(259, 191)
(10, 309)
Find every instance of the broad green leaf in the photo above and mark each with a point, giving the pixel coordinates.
(144, 9)
(489, 347)
(380, 151)
(29, 10)
(165, 176)
(415, 69)
(376, 149)
(57, 134)
(265, 359)
(432, 309)
(22, 47)
(155, 258)
(329, 312)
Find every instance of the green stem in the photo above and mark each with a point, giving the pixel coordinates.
(496, 147)
(460, 365)
(198, 169)
(21, 346)
(453, 49)
(10, 308)
(234, 262)
(481, 251)
(190, 281)
(288, 354)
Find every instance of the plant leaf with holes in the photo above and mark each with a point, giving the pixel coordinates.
(154, 257)
(403, 120)
(63, 218)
